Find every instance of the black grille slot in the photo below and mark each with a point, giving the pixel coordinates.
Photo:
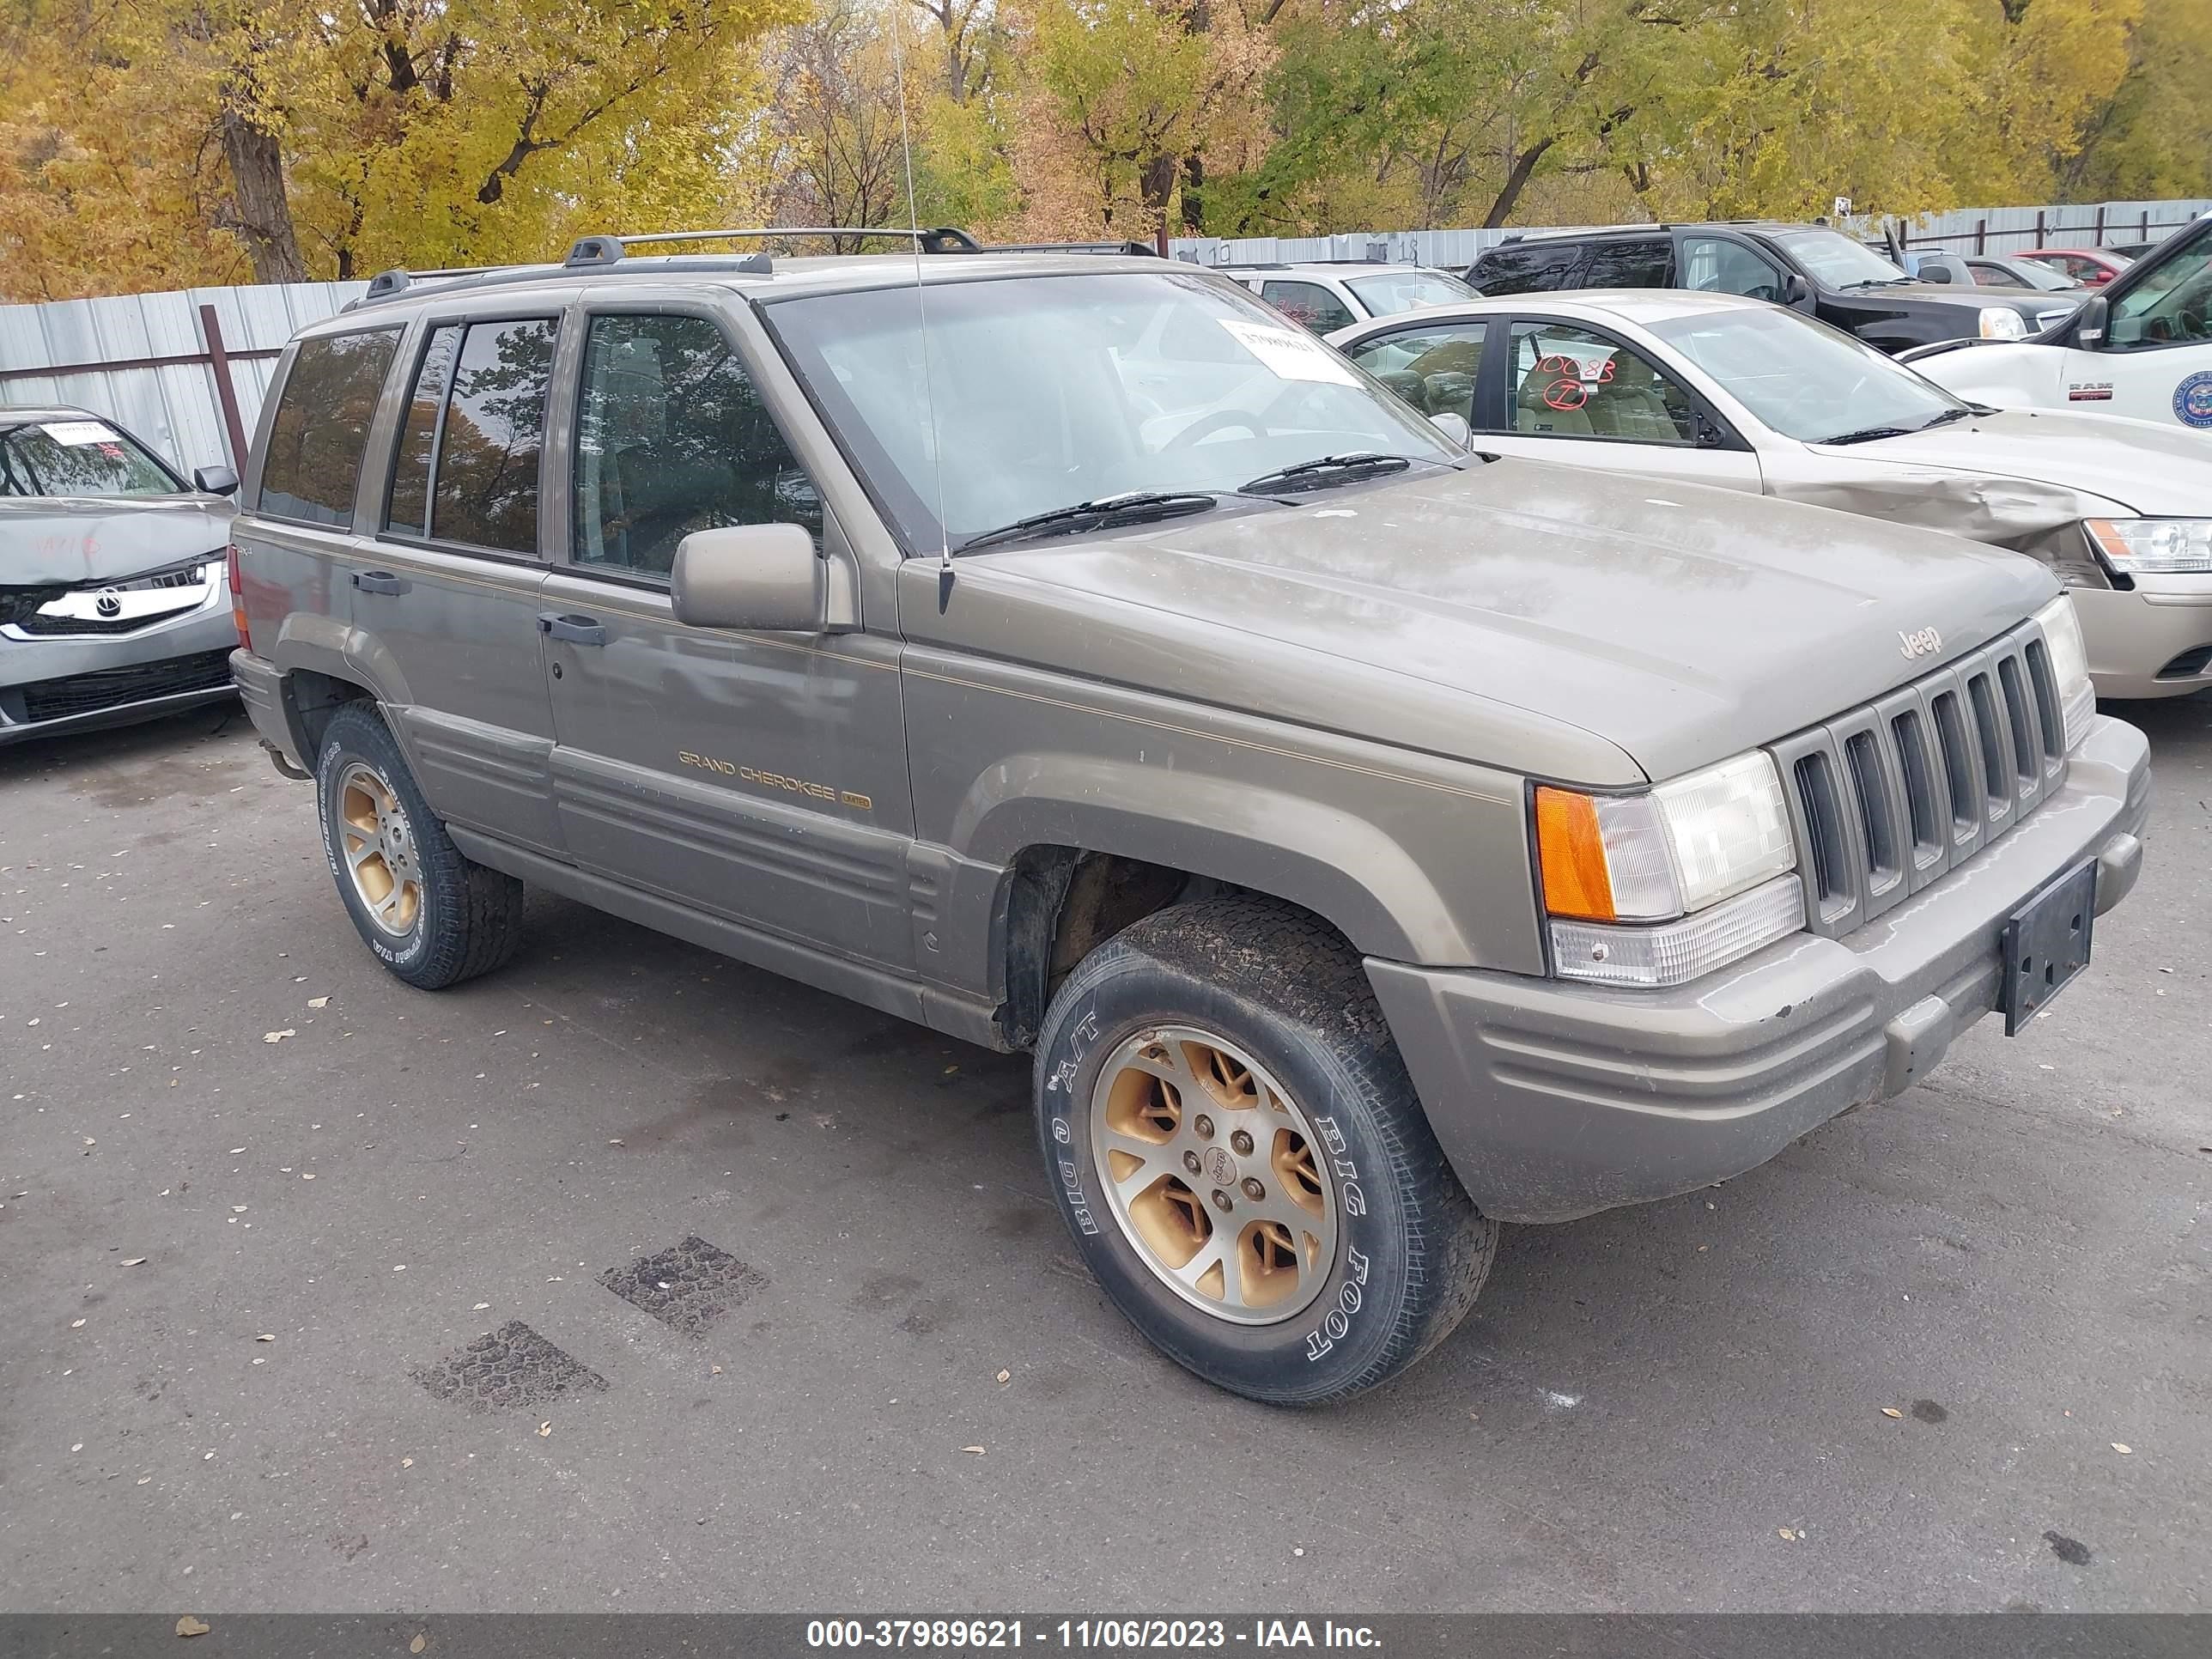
(1989, 736)
(1824, 826)
(1958, 760)
(2046, 686)
(2020, 720)
(112, 688)
(1877, 814)
(1921, 800)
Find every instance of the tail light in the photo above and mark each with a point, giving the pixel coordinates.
(237, 596)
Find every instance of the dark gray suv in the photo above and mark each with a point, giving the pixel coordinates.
(1372, 841)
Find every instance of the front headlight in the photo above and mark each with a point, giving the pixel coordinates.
(2069, 665)
(1716, 843)
(2003, 323)
(2153, 547)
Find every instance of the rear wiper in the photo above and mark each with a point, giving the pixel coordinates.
(1133, 506)
(1865, 434)
(1325, 470)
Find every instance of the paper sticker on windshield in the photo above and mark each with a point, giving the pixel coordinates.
(1292, 355)
(77, 432)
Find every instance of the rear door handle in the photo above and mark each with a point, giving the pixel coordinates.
(378, 581)
(577, 631)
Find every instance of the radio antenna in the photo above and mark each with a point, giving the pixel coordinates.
(921, 312)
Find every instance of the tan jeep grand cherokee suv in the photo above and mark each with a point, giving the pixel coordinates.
(1373, 842)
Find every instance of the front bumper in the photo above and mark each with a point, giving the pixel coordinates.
(2131, 634)
(61, 683)
(1553, 1101)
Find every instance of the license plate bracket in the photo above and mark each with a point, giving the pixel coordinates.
(2046, 943)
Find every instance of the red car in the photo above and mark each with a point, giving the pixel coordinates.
(2092, 267)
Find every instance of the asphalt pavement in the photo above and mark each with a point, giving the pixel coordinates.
(631, 1278)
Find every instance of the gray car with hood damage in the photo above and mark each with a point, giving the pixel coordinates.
(113, 606)
(1370, 841)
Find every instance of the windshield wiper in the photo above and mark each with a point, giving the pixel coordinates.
(1326, 469)
(1132, 507)
(1876, 282)
(1867, 434)
(1951, 415)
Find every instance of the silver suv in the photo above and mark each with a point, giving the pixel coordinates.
(1372, 841)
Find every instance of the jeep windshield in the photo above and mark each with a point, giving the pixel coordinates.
(1047, 391)
(1806, 379)
(77, 456)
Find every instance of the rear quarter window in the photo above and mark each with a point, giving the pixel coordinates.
(312, 463)
(1530, 268)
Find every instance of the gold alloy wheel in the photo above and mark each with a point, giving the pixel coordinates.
(379, 847)
(1214, 1172)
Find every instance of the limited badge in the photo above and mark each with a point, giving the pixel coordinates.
(2192, 400)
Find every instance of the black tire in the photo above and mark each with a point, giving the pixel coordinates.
(469, 920)
(1411, 1249)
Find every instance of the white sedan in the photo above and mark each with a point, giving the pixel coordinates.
(1681, 386)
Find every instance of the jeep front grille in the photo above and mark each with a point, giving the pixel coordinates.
(1895, 794)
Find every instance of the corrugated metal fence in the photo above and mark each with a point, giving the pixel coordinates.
(1994, 230)
(184, 371)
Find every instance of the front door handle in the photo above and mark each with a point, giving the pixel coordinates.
(378, 581)
(577, 631)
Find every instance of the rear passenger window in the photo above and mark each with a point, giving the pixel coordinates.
(671, 437)
(466, 470)
(486, 490)
(312, 462)
(1641, 263)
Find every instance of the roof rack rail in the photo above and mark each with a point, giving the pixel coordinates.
(398, 281)
(590, 251)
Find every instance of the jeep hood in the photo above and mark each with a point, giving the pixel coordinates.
(1516, 614)
(2010, 475)
(55, 542)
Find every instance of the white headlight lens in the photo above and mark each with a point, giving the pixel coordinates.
(2153, 547)
(2003, 323)
(1685, 845)
(1727, 827)
(2069, 665)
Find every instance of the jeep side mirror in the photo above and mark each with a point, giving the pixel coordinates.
(216, 480)
(1795, 290)
(1455, 427)
(762, 576)
(2091, 321)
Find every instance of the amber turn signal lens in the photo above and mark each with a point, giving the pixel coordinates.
(1570, 854)
(237, 595)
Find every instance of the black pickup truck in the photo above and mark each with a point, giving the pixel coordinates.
(1812, 268)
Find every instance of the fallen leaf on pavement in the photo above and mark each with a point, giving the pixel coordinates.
(716, 1370)
(135, 1261)
(189, 1626)
(278, 1036)
(406, 1462)
(77, 1324)
(419, 1644)
(1005, 1376)
(480, 1307)
(324, 1002)
(266, 1336)
(976, 1451)
(1891, 1411)
(544, 1429)
(1785, 1533)
(2123, 1451)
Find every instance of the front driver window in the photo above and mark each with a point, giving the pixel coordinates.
(2172, 305)
(1432, 369)
(1721, 266)
(672, 437)
(1570, 383)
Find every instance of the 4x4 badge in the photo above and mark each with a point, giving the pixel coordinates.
(1924, 643)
